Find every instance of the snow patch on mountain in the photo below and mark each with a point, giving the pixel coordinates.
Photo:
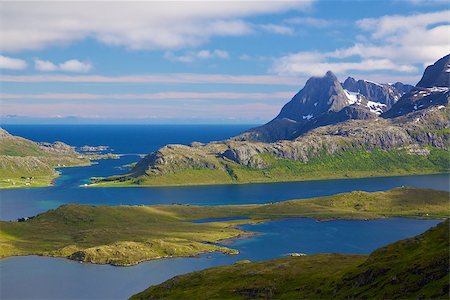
(376, 107)
(352, 97)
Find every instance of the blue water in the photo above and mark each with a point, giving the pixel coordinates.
(49, 278)
(35, 277)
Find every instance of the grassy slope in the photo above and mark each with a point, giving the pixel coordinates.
(24, 164)
(126, 235)
(413, 268)
(348, 164)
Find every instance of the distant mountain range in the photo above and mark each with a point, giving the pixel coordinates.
(328, 130)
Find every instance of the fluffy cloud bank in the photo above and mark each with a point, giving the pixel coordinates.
(134, 25)
(391, 43)
(72, 65)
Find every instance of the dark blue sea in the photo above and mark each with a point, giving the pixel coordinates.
(35, 277)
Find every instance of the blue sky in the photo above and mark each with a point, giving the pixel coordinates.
(201, 62)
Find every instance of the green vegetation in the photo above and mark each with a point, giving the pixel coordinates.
(24, 163)
(415, 268)
(126, 235)
(344, 164)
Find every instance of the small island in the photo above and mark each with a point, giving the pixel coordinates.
(127, 235)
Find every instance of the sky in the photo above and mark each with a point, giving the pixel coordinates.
(184, 62)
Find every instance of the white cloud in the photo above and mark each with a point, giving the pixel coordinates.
(44, 65)
(12, 63)
(278, 29)
(399, 44)
(315, 64)
(72, 65)
(165, 25)
(192, 56)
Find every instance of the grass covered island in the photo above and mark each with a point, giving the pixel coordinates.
(414, 268)
(127, 235)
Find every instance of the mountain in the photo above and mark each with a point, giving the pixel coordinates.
(320, 102)
(27, 163)
(324, 101)
(414, 268)
(431, 90)
(324, 132)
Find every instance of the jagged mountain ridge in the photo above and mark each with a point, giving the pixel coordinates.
(324, 101)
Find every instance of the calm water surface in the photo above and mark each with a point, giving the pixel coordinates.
(49, 278)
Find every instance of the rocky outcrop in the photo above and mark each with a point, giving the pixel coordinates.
(58, 148)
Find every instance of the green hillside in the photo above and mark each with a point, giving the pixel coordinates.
(24, 163)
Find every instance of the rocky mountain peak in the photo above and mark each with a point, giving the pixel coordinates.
(320, 94)
(437, 74)
(330, 75)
